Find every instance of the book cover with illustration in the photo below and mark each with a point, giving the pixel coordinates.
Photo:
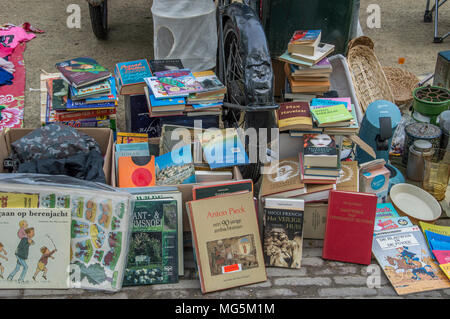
(130, 76)
(34, 248)
(168, 193)
(82, 71)
(438, 238)
(305, 37)
(59, 93)
(282, 177)
(319, 150)
(404, 256)
(283, 232)
(223, 148)
(108, 97)
(210, 83)
(179, 82)
(226, 241)
(165, 65)
(153, 252)
(103, 87)
(175, 167)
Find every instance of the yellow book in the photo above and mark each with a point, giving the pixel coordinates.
(19, 200)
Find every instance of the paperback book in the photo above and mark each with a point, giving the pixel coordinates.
(320, 150)
(179, 83)
(175, 167)
(82, 71)
(130, 76)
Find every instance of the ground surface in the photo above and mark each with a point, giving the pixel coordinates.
(402, 35)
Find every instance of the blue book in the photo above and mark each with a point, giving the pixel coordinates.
(437, 241)
(165, 102)
(323, 102)
(176, 167)
(130, 76)
(223, 148)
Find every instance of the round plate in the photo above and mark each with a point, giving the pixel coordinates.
(415, 203)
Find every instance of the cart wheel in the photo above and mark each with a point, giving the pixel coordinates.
(428, 16)
(234, 80)
(99, 19)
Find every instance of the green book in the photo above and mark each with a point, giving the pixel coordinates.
(331, 114)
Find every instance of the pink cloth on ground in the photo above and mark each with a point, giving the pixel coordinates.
(10, 38)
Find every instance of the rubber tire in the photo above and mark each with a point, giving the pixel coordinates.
(99, 20)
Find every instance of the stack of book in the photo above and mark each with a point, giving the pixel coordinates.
(320, 160)
(173, 90)
(306, 68)
(82, 94)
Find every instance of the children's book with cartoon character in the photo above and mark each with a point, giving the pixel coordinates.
(406, 260)
(34, 248)
(98, 231)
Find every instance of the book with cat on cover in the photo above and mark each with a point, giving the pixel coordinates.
(226, 241)
(294, 116)
(82, 71)
(350, 226)
(283, 232)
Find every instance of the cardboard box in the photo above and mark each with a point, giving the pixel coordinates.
(314, 220)
(375, 181)
(104, 137)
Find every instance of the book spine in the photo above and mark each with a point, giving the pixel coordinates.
(74, 116)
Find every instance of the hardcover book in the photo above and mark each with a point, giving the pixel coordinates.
(319, 150)
(350, 226)
(305, 37)
(348, 179)
(202, 191)
(166, 193)
(178, 83)
(130, 76)
(153, 252)
(322, 50)
(35, 248)
(82, 71)
(176, 167)
(227, 245)
(100, 88)
(294, 115)
(165, 65)
(223, 148)
(404, 256)
(283, 232)
(282, 179)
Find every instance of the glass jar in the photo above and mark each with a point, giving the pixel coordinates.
(417, 152)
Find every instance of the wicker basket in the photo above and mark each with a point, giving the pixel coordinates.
(362, 40)
(402, 84)
(368, 77)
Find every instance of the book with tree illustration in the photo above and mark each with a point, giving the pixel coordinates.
(34, 248)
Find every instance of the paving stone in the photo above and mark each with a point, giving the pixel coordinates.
(312, 261)
(312, 252)
(351, 280)
(318, 281)
(182, 284)
(285, 272)
(347, 292)
(275, 293)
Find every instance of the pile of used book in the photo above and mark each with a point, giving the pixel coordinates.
(306, 66)
(82, 94)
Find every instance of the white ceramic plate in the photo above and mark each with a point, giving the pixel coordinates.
(415, 202)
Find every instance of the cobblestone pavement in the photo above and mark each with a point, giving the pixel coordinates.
(317, 278)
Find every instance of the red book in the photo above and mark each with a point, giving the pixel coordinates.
(349, 227)
(79, 115)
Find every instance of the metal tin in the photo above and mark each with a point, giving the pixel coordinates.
(420, 131)
(417, 152)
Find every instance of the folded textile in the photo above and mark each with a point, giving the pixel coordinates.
(5, 77)
(7, 66)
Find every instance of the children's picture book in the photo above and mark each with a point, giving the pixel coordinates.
(223, 148)
(226, 241)
(178, 83)
(153, 252)
(210, 83)
(350, 226)
(168, 193)
(386, 210)
(130, 76)
(59, 93)
(82, 71)
(283, 232)
(156, 87)
(404, 256)
(175, 167)
(165, 65)
(97, 89)
(385, 223)
(130, 138)
(34, 248)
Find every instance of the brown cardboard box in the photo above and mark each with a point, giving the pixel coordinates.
(104, 137)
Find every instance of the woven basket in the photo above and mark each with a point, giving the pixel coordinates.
(402, 84)
(368, 77)
(362, 40)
